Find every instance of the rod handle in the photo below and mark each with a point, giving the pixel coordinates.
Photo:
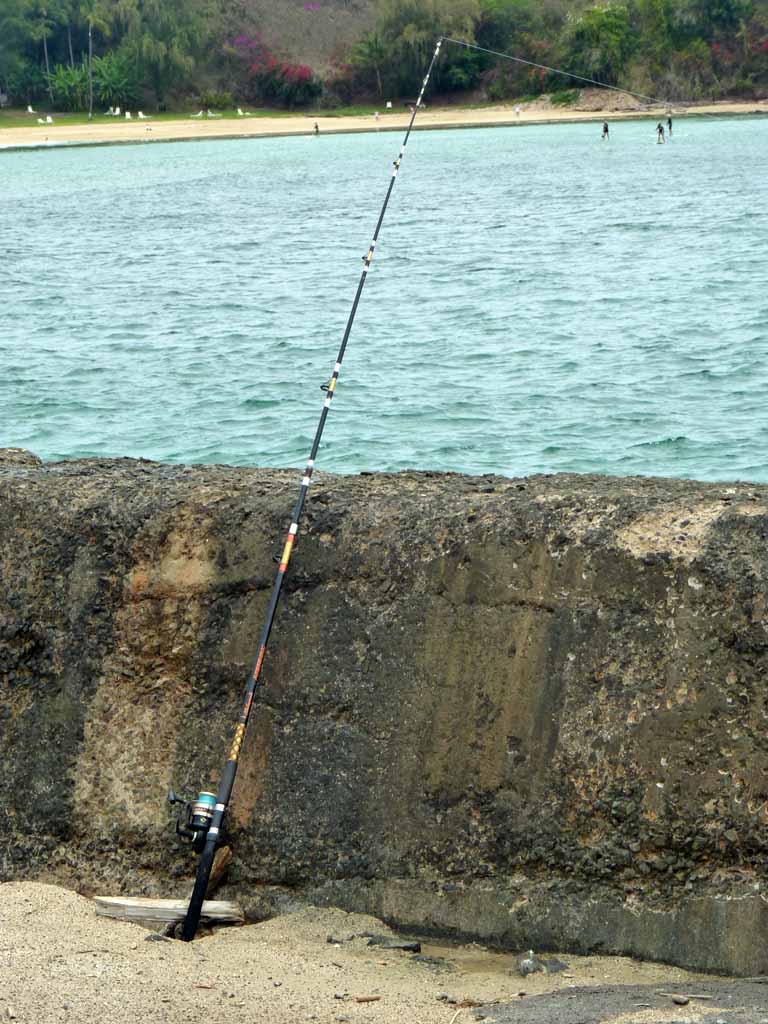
(204, 868)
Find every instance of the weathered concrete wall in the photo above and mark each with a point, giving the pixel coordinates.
(533, 711)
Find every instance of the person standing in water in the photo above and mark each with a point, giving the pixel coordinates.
(605, 130)
(317, 128)
(669, 125)
(660, 132)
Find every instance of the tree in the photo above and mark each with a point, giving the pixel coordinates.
(370, 55)
(655, 29)
(409, 30)
(169, 47)
(165, 38)
(13, 35)
(43, 18)
(707, 19)
(72, 8)
(69, 86)
(503, 24)
(94, 15)
(114, 80)
(600, 41)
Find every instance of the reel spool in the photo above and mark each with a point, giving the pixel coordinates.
(194, 819)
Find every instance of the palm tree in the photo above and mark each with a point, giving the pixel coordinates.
(72, 10)
(92, 12)
(371, 54)
(40, 28)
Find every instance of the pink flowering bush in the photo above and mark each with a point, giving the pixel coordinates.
(271, 80)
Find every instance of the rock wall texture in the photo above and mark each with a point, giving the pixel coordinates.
(529, 711)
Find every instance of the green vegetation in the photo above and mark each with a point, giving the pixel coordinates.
(86, 55)
(564, 98)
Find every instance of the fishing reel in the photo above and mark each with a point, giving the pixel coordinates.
(194, 819)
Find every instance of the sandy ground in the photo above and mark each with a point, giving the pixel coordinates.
(59, 962)
(590, 108)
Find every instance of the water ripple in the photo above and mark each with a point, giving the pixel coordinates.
(539, 301)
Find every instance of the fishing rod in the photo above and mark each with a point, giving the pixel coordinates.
(205, 815)
(202, 820)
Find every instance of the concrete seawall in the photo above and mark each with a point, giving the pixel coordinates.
(529, 711)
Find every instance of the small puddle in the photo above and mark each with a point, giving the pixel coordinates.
(470, 959)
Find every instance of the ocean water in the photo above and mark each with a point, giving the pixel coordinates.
(540, 301)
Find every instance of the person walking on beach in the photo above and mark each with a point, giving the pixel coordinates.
(660, 132)
(317, 128)
(669, 125)
(605, 130)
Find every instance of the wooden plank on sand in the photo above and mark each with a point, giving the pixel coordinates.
(151, 911)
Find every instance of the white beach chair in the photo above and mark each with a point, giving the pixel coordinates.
(48, 119)
(30, 110)
(249, 113)
(117, 111)
(109, 113)
(210, 113)
(143, 116)
(198, 114)
(41, 120)
(240, 113)
(127, 115)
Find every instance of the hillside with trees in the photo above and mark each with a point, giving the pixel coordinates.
(168, 54)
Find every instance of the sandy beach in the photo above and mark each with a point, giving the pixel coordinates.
(60, 962)
(591, 107)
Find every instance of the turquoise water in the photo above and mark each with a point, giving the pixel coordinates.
(540, 301)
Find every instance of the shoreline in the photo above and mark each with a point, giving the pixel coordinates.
(188, 130)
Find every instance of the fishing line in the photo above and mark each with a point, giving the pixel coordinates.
(557, 71)
(205, 815)
(667, 104)
(685, 104)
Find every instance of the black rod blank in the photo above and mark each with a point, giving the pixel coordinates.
(213, 835)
